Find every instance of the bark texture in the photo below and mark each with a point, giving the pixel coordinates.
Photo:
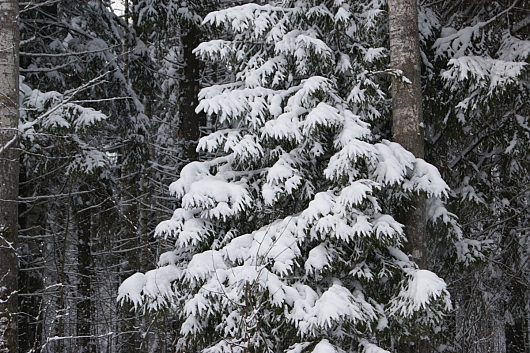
(9, 168)
(406, 105)
(407, 122)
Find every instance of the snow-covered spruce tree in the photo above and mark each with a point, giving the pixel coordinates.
(479, 118)
(84, 158)
(58, 134)
(285, 239)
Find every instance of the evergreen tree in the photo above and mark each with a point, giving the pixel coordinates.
(101, 110)
(477, 99)
(285, 239)
(83, 124)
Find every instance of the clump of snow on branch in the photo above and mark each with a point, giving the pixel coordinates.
(422, 287)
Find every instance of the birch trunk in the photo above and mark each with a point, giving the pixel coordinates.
(9, 168)
(407, 122)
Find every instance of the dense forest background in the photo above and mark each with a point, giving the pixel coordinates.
(109, 118)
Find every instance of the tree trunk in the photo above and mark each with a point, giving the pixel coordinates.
(84, 263)
(9, 169)
(32, 221)
(406, 105)
(514, 259)
(407, 121)
(190, 121)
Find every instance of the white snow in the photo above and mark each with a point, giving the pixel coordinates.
(356, 192)
(324, 347)
(322, 115)
(317, 259)
(205, 263)
(217, 197)
(421, 289)
(426, 177)
(131, 289)
(393, 162)
(337, 303)
(153, 288)
(368, 347)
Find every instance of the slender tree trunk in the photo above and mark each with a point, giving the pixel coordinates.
(32, 221)
(61, 243)
(190, 121)
(127, 16)
(9, 169)
(84, 263)
(513, 258)
(408, 121)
